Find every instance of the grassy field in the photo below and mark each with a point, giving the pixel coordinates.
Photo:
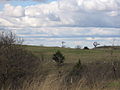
(32, 68)
(71, 57)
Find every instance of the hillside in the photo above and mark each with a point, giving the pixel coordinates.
(96, 59)
(72, 55)
(34, 69)
(108, 47)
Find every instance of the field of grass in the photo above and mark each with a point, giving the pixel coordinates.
(71, 57)
(99, 69)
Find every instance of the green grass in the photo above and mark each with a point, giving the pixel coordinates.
(72, 55)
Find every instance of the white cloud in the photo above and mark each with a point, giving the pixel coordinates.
(98, 4)
(67, 32)
(90, 13)
(4, 22)
(113, 13)
(21, 0)
(52, 36)
(73, 21)
(12, 11)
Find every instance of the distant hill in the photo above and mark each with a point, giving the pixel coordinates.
(108, 47)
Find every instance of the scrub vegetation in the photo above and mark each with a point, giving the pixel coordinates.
(25, 67)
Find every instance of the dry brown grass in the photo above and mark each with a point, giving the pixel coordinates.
(52, 82)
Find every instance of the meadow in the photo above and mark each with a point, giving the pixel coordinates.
(97, 59)
(72, 54)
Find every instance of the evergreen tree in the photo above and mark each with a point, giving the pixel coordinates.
(58, 57)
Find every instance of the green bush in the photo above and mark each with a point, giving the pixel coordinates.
(77, 68)
(76, 73)
(58, 58)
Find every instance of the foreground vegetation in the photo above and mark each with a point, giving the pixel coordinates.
(99, 69)
(35, 67)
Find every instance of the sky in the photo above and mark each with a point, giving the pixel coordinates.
(49, 22)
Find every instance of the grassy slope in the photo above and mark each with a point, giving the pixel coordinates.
(72, 56)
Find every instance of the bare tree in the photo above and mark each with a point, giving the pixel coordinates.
(63, 44)
(16, 62)
(95, 44)
(8, 38)
(78, 47)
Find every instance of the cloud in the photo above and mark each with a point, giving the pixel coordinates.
(20, 0)
(12, 11)
(74, 21)
(81, 13)
(62, 32)
(52, 36)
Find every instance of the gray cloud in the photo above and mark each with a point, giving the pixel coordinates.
(53, 36)
(56, 21)
(76, 36)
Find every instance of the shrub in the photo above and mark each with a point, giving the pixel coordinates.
(77, 68)
(78, 47)
(16, 63)
(76, 73)
(58, 58)
(86, 48)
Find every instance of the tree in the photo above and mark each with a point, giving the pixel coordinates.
(58, 58)
(86, 48)
(16, 63)
(95, 44)
(78, 47)
(63, 44)
(76, 73)
(77, 68)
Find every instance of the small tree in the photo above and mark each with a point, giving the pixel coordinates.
(63, 46)
(78, 47)
(77, 68)
(58, 58)
(86, 48)
(76, 73)
(95, 44)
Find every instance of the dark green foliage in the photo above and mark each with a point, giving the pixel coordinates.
(58, 58)
(77, 69)
(86, 48)
(78, 64)
(75, 74)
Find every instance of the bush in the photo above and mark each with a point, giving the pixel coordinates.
(16, 63)
(76, 73)
(102, 71)
(58, 58)
(77, 68)
(86, 48)
(78, 47)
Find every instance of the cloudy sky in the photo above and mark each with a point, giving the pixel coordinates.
(49, 22)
